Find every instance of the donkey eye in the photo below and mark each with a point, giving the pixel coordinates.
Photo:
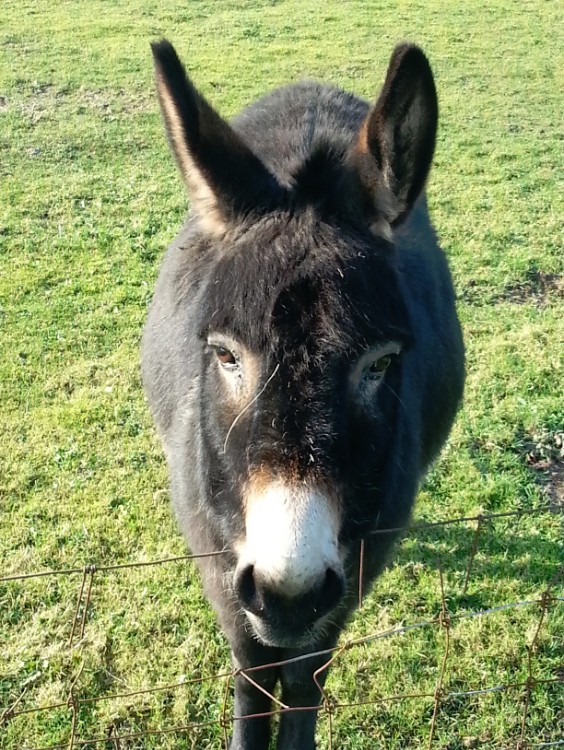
(226, 358)
(377, 368)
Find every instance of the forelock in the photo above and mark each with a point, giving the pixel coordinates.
(293, 278)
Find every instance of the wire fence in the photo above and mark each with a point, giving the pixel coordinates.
(551, 597)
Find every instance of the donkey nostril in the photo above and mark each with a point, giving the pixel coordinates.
(246, 584)
(246, 590)
(266, 602)
(330, 593)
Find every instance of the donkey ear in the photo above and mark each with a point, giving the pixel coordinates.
(223, 176)
(395, 145)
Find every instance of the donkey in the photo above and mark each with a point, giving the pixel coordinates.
(302, 359)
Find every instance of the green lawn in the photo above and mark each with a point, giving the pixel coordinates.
(89, 199)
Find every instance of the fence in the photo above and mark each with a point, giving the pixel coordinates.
(328, 706)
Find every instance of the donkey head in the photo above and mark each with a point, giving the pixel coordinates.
(303, 332)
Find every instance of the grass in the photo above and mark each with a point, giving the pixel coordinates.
(89, 199)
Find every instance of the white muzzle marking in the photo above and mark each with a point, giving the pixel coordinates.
(291, 537)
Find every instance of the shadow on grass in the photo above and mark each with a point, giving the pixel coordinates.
(518, 552)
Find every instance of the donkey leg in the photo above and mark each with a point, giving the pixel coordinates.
(252, 734)
(297, 728)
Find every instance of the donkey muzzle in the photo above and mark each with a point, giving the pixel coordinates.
(290, 573)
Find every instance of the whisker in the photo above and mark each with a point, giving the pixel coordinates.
(248, 406)
(394, 394)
